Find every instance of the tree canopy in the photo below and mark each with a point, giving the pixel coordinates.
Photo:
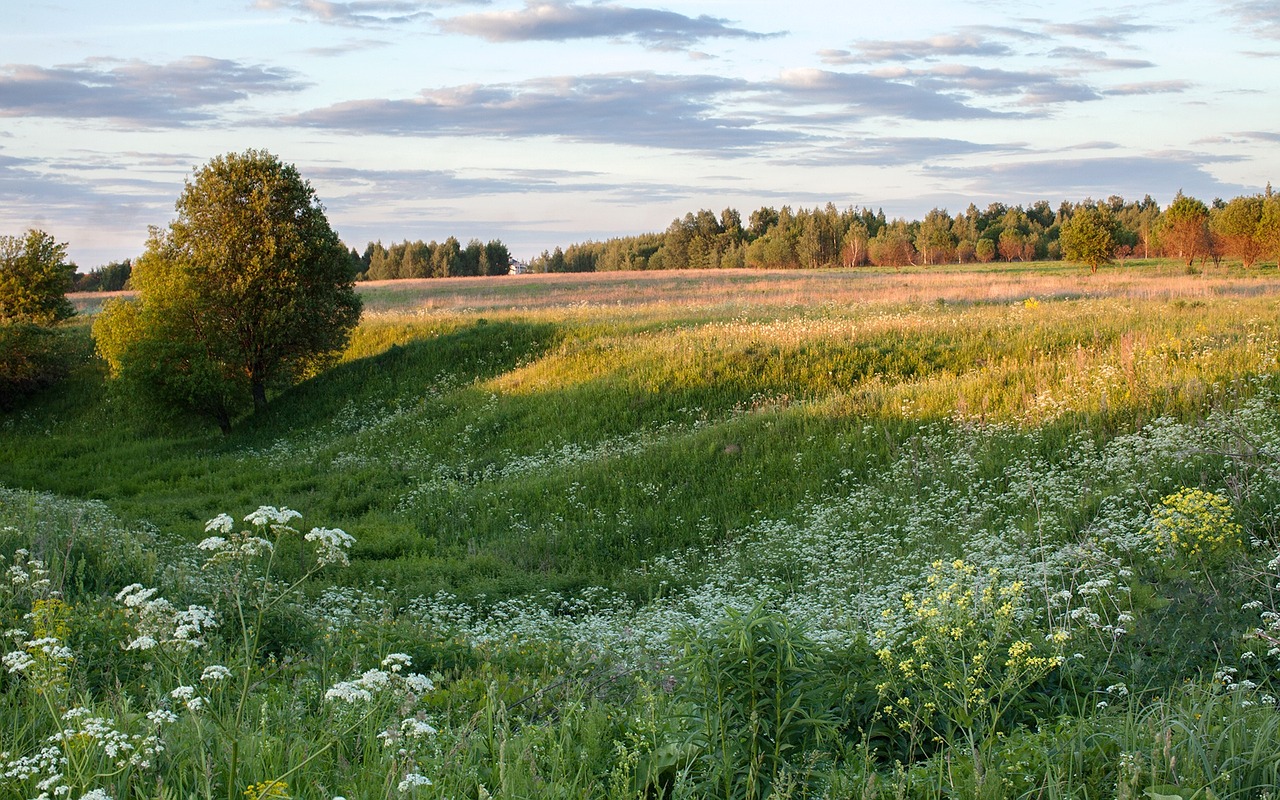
(248, 289)
(1089, 236)
(34, 279)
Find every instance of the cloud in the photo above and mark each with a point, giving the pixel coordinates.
(1159, 174)
(694, 113)
(1149, 87)
(1096, 59)
(897, 92)
(135, 92)
(347, 186)
(346, 48)
(1110, 29)
(353, 13)
(102, 216)
(945, 46)
(896, 152)
(1029, 87)
(1261, 136)
(644, 109)
(565, 21)
(1256, 17)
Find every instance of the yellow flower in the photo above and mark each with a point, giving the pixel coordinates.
(267, 790)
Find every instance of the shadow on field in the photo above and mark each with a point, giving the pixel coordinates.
(404, 371)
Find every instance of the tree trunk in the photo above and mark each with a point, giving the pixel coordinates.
(224, 421)
(259, 395)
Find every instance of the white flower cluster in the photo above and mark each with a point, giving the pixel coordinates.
(412, 781)
(376, 681)
(188, 697)
(28, 574)
(48, 650)
(48, 764)
(215, 673)
(332, 545)
(158, 622)
(227, 545)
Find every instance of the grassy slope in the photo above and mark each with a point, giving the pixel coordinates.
(493, 436)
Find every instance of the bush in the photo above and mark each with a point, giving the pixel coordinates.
(32, 357)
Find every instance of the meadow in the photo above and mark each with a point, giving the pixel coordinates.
(997, 531)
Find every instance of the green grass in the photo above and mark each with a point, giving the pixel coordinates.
(653, 533)
(494, 453)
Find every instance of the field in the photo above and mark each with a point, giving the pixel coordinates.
(959, 532)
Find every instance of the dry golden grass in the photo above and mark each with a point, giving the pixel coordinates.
(763, 289)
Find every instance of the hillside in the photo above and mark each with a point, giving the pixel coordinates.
(552, 475)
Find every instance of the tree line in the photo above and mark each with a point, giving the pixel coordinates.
(430, 259)
(1246, 227)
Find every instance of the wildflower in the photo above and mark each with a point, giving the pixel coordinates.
(96, 794)
(215, 544)
(412, 781)
(18, 661)
(223, 523)
(161, 716)
(348, 693)
(134, 595)
(277, 519)
(397, 661)
(215, 673)
(332, 545)
(267, 790)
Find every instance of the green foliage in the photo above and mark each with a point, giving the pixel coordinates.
(958, 657)
(112, 277)
(1184, 228)
(32, 358)
(249, 289)
(759, 707)
(34, 279)
(1089, 236)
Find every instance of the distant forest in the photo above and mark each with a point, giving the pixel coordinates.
(1246, 228)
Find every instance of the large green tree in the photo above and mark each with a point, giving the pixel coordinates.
(34, 279)
(249, 289)
(1184, 228)
(1089, 236)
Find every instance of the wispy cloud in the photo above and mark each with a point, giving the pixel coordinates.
(644, 109)
(1256, 17)
(1149, 87)
(935, 47)
(1109, 29)
(1158, 174)
(698, 113)
(565, 21)
(894, 92)
(136, 93)
(1096, 59)
(346, 48)
(353, 13)
(895, 152)
(1025, 87)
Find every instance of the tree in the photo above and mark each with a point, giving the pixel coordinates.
(985, 250)
(249, 289)
(934, 240)
(1089, 236)
(1238, 225)
(1184, 228)
(34, 279)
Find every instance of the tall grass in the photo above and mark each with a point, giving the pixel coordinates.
(656, 534)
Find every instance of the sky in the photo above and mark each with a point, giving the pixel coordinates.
(549, 122)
